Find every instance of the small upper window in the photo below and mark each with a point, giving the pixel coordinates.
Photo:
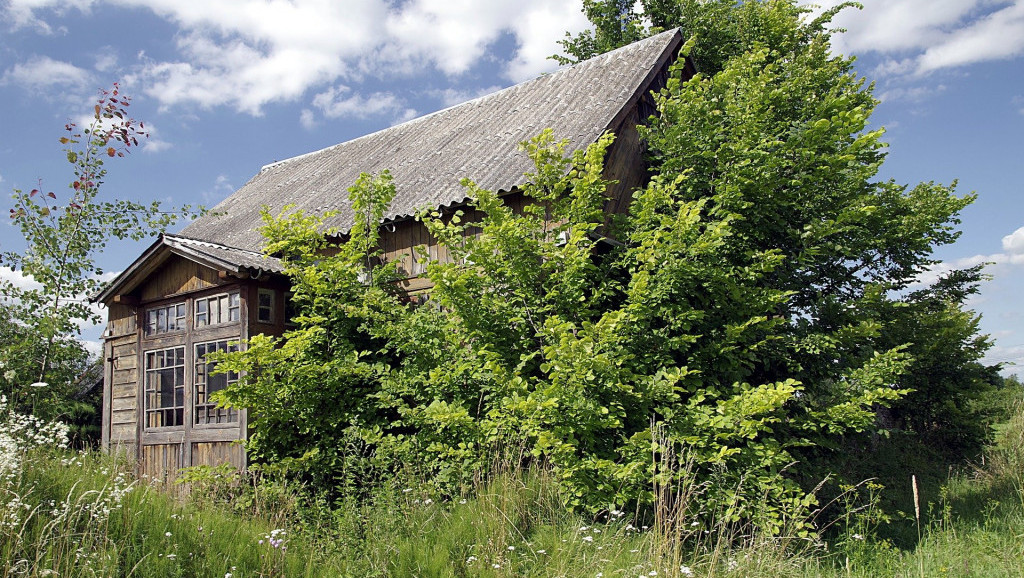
(165, 318)
(265, 306)
(217, 309)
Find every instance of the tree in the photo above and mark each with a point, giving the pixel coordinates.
(774, 128)
(63, 238)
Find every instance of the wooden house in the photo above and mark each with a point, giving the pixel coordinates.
(210, 287)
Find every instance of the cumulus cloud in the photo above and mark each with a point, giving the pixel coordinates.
(1012, 255)
(43, 72)
(247, 54)
(1014, 242)
(341, 102)
(929, 35)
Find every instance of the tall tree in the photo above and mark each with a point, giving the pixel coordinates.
(775, 129)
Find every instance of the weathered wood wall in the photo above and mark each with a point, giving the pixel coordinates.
(178, 276)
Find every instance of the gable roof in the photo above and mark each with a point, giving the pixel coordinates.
(213, 255)
(430, 155)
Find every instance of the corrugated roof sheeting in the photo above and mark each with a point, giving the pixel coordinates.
(429, 156)
(228, 257)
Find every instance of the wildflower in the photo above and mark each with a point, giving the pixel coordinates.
(407, 490)
(857, 537)
(685, 571)
(511, 548)
(542, 551)
(228, 575)
(694, 523)
(588, 538)
(171, 556)
(427, 502)
(168, 534)
(38, 384)
(462, 501)
(652, 573)
(471, 559)
(495, 565)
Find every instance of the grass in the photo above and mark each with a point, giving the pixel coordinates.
(81, 514)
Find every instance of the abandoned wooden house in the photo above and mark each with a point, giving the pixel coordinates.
(210, 287)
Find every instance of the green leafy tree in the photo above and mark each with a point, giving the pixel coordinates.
(774, 128)
(64, 234)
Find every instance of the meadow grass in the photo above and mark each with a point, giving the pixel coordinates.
(82, 514)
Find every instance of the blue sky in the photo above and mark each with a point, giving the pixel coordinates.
(227, 86)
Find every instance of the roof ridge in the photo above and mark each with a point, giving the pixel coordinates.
(595, 61)
(213, 244)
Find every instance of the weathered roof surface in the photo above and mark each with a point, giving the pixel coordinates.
(220, 256)
(429, 156)
(212, 255)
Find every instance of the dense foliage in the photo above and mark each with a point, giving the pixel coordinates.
(777, 128)
(746, 309)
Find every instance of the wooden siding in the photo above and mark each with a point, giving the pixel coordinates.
(217, 453)
(120, 391)
(178, 276)
(120, 320)
(161, 462)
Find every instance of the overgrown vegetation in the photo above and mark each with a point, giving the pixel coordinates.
(754, 308)
(81, 514)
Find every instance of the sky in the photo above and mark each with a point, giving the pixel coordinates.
(227, 86)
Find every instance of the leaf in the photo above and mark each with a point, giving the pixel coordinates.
(51, 195)
(33, 192)
(111, 151)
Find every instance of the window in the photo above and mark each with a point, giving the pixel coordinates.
(165, 387)
(218, 309)
(207, 412)
(265, 306)
(165, 318)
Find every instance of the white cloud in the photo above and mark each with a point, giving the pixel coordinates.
(917, 93)
(929, 35)
(307, 119)
(43, 72)
(1014, 242)
(18, 279)
(249, 53)
(341, 102)
(23, 13)
(538, 31)
(1011, 356)
(106, 60)
(996, 36)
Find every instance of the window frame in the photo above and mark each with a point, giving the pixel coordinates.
(233, 415)
(262, 292)
(165, 307)
(149, 392)
(207, 310)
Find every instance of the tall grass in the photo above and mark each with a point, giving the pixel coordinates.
(82, 514)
